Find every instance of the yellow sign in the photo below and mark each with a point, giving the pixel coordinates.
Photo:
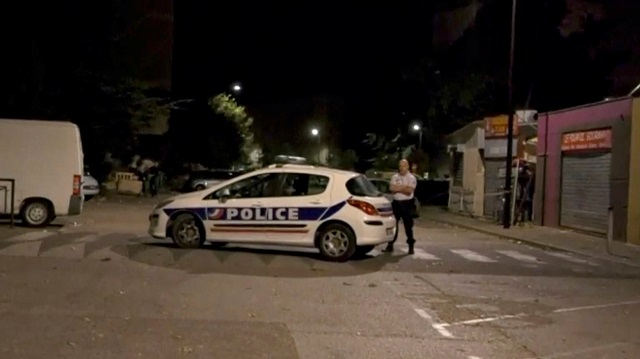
(498, 126)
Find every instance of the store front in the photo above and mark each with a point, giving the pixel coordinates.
(586, 180)
(583, 168)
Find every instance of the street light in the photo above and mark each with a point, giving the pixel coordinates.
(508, 186)
(315, 133)
(236, 87)
(417, 128)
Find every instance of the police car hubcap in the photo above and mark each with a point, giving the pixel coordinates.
(189, 233)
(335, 243)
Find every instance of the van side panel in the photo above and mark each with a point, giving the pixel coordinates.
(42, 157)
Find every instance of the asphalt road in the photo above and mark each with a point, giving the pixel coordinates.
(97, 286)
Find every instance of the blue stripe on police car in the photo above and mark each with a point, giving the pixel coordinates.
(262, 214)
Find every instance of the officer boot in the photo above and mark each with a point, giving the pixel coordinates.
(411, 243)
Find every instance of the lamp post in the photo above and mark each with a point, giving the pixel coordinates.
(418, 128)
(506, 212)
(315, 133)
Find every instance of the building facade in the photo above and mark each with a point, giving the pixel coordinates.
(583, 168)
(466, 186)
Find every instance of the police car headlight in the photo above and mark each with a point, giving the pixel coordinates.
(163, 204)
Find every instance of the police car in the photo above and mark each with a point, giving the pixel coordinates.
(341, 213)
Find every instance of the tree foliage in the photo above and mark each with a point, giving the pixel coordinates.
(225, 105)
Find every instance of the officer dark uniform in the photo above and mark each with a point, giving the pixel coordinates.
(403, 185)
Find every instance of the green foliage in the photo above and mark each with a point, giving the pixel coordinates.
(225, 105)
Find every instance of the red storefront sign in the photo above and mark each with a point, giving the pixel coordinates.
(586, 140)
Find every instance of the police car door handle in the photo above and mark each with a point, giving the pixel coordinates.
(315, 201)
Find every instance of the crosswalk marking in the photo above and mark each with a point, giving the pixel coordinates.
(31, 236)
(472, 256)
(571, 259)
(120, 246)
(69, 251)
(22, 249)
(521, 257)
(424, 255)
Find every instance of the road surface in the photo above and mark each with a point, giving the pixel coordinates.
(99, 287)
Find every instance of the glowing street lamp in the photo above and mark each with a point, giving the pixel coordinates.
(236, 87)
(417, 128)
(315, 132)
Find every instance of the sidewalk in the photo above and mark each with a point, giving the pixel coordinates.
(544, 237)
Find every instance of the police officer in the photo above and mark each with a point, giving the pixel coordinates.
(403, 185)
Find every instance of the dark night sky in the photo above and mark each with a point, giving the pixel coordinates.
(285, 50)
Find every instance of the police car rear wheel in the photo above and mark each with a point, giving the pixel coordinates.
(337, 243)
(187, 232)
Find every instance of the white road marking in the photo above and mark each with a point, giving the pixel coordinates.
(521, 257)
(440, 328)
(87, 239)
(598, 306)
(375, 252)
(484, 320)
(22, 249)
(31, 236)
(70, 251)
(570, 258)
(472, 256)
(473, 357)
(424, 255)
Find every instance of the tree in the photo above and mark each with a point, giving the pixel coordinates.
(225, 105)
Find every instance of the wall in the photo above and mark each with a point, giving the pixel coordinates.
(472, 190)
(633, 214)
(551, 126)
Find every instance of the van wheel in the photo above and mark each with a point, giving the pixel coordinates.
(36, 214)
(337, 243)
(187, 232)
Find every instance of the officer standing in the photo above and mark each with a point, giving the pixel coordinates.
(403, 185)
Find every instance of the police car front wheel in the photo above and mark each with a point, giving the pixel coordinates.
(187, 232)
(337, 242)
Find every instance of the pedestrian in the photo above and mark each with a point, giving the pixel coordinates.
(403, 185)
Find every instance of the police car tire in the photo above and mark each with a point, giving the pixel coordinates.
(351, 249)
(180, 220)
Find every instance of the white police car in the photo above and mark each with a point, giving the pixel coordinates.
(340, 213)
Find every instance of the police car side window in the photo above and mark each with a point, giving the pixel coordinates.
(302, 184)
(263, 185)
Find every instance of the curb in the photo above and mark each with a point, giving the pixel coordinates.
(534, 243)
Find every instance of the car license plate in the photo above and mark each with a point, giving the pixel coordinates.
(389, 231)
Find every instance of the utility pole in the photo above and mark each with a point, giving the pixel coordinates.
(508, 188)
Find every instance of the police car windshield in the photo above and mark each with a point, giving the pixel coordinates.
(362, 187)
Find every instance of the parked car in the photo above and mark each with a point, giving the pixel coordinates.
(199, 180)
(90, 186)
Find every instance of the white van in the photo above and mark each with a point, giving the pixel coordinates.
(41, 166)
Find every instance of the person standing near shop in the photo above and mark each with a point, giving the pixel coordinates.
(403, 185)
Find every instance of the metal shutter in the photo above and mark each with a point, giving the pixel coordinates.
(584, 198)
(492, 185)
